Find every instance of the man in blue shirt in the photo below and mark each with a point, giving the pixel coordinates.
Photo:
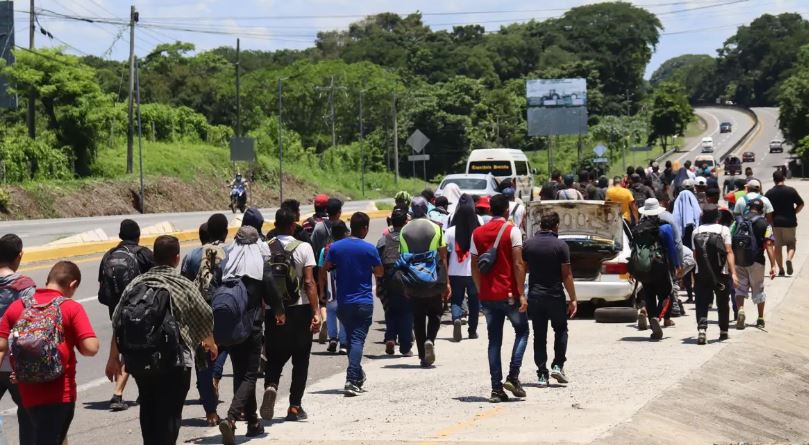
(357, 262)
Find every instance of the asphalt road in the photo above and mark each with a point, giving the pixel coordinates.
(94, 423)
(714, 116)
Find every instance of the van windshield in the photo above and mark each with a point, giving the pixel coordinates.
(496, 168)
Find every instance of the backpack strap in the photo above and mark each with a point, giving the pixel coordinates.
(500, 234)
(294, 244)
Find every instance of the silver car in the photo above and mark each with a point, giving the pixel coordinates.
(599, 247)
(480, 184)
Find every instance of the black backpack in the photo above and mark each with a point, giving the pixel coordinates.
(647, 253)
(711, 257)
(118, 269)
(746, 244)
(233, 318)
(282, 268)
(146, 331)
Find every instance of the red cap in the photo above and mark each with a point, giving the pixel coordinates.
(483, 203)
(321, 200)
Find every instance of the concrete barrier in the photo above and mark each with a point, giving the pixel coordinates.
(59, 252)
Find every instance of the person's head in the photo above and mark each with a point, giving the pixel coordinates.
(556, 176)
(634, 178)
(129, 231)
(584, 176)
(10, 251)
(668, 164)
(483, 206)
(499, 206)
(778, 177)
(65, 277)
(710, 214)
(753, 186)
(418, 208)
(360, 222)
(204, 237)
(320, 203)
(442, 202)
(429, 195)
(701, 184)
(549, 222)
(630, 170)
(603, 182)
(334, 208)
(748, 172)
(238, 176)
(687, 164)
(402, 199)
(285, 221)
(656, 166)
(568, 180)
(218, 227)
(712, 195)
(740, 184)
(398, 218)
(294, 206)
(509, 193)
(339, 230)
(756, 206)
(640, 171)
(253, 218)
(688, 184)
(616, 181)
(167, 251)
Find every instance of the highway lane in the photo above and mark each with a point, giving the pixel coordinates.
(714, 116)
(37, 232)
(94, 423)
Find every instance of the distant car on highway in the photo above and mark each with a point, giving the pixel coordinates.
(776, 146)
(599, 247)
(707, 145)
(733, 166)
(748, 156)
(480, 184)
(725, 127)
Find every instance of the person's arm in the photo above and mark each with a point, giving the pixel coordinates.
(88, 347)
(78, 325)
(567, 280)
(322, 276)
(798, 209)
(311, 294)
(732, 264)
(518, 268)
(671, 247)
(114, 364)
(442, 257)
(379, 271)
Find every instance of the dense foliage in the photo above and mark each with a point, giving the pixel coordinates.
(794, 99)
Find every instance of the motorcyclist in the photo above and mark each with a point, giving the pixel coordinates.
(238, 181)
(239, 184)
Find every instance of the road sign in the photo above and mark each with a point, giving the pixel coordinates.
(242, 149)
(599, 150)
(417, 140)
(600, 160)
(414, 158)
(640, 148)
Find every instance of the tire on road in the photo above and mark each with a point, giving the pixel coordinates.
(616, 315)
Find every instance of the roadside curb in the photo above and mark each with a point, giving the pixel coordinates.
(50, 253)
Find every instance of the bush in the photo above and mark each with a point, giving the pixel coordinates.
(24, 159)
(267, 140)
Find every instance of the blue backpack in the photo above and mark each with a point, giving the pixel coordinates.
(419, 271)
(232, 323)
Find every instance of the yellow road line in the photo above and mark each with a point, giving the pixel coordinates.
(464, 424)
(48, 266)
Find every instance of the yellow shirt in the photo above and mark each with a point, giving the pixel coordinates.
(622, 196)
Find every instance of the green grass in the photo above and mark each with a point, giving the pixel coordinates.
(382, 205)
(695, 128)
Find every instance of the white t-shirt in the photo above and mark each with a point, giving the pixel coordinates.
(516, 239)
(516, 216)
(456, 269)
(304, 257)
(713, 228)
(741, 204)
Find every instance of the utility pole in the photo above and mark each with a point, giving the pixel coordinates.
(140, 143)
(395, 138)
(362, 145)
(280, 141)
(331, 89)
(32, 97)
(238, 91)
(130, 135)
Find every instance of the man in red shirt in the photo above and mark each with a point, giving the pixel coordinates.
(50, 405)
(502, 295)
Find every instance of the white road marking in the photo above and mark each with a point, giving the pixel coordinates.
(88, 299)
(700, 141)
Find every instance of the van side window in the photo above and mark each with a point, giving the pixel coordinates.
(521, 168)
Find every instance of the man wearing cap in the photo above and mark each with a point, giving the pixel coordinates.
(421, 236)
(753, 192)
(516, 210)
(658, 291)
(320, 214)
(483, 210)
(568, 192)
(700, 187)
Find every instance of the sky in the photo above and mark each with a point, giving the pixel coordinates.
(691, 26)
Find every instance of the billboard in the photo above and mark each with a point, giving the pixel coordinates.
(556, 106)
(6, 45)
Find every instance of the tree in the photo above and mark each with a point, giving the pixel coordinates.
(671, 113)
(793, 98)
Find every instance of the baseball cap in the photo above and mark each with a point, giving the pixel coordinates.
(688, 183)
(508, 191)
(483, 203)
(321, 200)
(754, 183)
(701, 181)
(655, 165)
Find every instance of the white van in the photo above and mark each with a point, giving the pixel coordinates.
(504, 163)
(707, 145)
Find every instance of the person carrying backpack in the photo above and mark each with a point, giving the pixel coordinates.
(423, 261)
(568, 192)
(714, 259)
(327, 288)
(13, 286)
(752, 235)
(459, 269)
(157, 326)
(292, 264)
(48, 328)
(119, 266)
(390, 289)
(320, 214)
(654, 256)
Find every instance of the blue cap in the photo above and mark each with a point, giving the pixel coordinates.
(509, 192)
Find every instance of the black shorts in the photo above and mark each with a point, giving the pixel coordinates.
(51, 422)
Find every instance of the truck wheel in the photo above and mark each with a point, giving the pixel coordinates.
(616, 315)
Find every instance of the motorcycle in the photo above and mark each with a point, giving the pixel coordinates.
(238, 198)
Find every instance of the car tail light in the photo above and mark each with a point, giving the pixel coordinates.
(618, 268)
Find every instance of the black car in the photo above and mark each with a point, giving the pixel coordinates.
(733, 166)
(748, 156)
(725, 127)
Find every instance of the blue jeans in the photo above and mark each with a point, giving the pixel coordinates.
(335, 329)
(205, 378)
(496, 313)
(357, 319)
(465, 286)
(399, 323)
